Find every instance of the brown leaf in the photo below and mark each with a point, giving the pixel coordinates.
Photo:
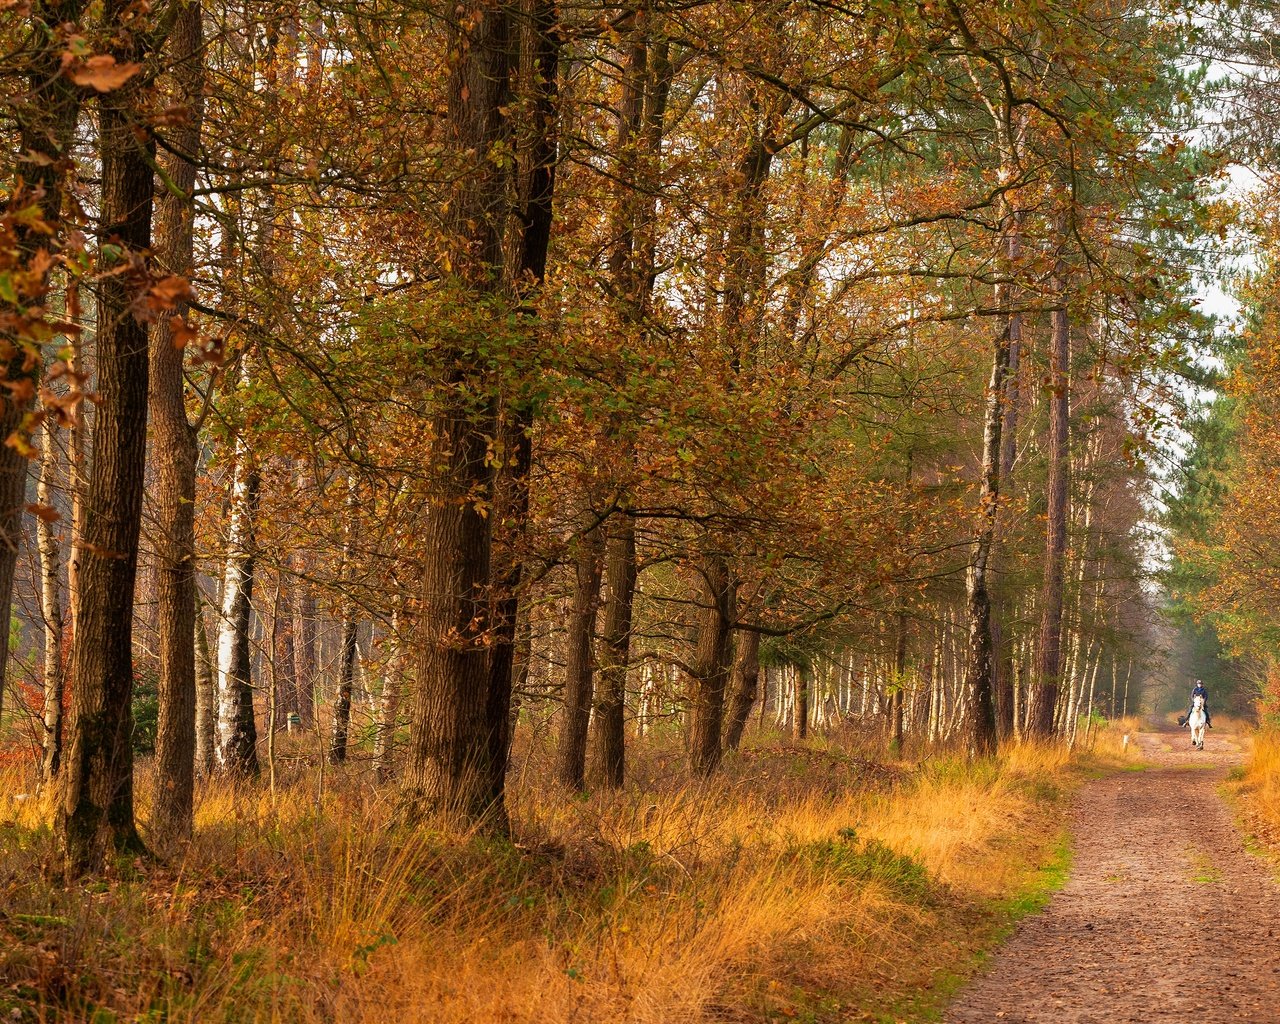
(44, 512)
(183, 333)
(103, 73)
(168, 292)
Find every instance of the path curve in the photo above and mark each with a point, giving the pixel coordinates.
(1152, 904)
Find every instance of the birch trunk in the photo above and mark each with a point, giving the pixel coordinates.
(389, 699)
(237, 735)
(347, 650)
(51, 606)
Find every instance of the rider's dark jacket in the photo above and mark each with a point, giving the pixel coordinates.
(1199, 691)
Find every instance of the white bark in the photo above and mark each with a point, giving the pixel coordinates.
(237, 582)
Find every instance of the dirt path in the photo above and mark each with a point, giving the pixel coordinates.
(1162, 891)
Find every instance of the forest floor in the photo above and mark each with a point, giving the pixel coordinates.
(819, 883)
(1167, 915)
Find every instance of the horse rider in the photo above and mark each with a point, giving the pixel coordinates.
(1198, 691)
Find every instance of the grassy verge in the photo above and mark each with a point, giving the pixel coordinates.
(802, 884)
(1254, 792)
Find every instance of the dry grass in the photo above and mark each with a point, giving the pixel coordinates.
(1257, 788)
(801, 881)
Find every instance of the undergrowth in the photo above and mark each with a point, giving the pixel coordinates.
(802, 883)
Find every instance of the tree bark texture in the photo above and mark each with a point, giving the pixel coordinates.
(347, 652)
(236, 750)
(800, 681)
(96, 812)
(389, 700)
(979, 664)
(1045, 684)
(342, 702)
(50, 548)
(175, 445)
(744, 681)
(711, 665)
(460, 722)
(579, 660)
(615, 647)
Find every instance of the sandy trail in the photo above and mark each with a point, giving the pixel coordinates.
(1166, 917)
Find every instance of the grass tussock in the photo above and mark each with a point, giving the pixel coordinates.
(800, 882)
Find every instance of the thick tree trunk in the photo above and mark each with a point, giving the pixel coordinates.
(461, 716)
(579, 661)
(1044, 693)
(800, 682)
(711, 664)
(743, 682)
(50, 606)
(237, 733)
(615, 647)
(174, 491)
(96, 812)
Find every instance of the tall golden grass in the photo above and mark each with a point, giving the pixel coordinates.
(800, 880)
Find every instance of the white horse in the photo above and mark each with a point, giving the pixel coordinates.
(1196, 720)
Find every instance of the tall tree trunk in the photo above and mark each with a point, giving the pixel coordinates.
(389, 700)
(979, 669)
(615, 646)
(640, 112)
(711, 664)
(899, 681)
(346, 678)
(800, 682)
(96, 812)
(304, 652)
(176, 449)
(540, 50)
(284, 657)
(206, 696)
(459, 719)
(1044, 693)
(46, 118)
(744, 681)
(579, 663)
(50, 606)
(236, 749)
(347, 651)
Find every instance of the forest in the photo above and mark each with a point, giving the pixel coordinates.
(544, 510)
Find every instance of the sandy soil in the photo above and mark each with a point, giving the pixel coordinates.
(1166, 918)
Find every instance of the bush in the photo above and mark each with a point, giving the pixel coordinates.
(146, 712)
